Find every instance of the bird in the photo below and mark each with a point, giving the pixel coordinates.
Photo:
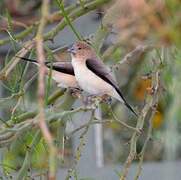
(62, 72)
(92, 75)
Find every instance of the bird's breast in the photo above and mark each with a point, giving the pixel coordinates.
(88, 80)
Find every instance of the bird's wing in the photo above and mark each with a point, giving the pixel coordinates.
(98, 68)
(64, 67)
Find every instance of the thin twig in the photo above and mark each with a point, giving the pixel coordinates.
(123, 123)
(134, 55)
(87, 124)
(78, 152)
(149, 133)
(68, 21)
(26, 163)
(74, 15)
(149, 105)
(19, 36)
(31, 114)
(10, 66)
(76, 12)
(141, 154)
(16, 106)
(41, 91)
(56, 16)
(82, 3)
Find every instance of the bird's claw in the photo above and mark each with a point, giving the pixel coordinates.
(75, 92)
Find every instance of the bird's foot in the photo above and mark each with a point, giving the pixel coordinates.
(76, 92)
(96, 100)
(106, 99)
(87, 100)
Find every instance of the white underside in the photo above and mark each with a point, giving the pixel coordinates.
(64, 80)
(90, 82)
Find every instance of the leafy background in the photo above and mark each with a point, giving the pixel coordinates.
(118, 28)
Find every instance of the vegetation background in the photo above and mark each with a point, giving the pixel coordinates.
(44, 128)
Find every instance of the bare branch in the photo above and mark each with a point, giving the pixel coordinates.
(123, 123)
(151, 101)
(10, 66)
(135, 55)
(41, 90)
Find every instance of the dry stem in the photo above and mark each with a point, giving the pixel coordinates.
(150, 104)
(41, 90)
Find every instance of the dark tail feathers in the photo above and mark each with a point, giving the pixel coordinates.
(31, 60)
(131, 109)
(126, 104)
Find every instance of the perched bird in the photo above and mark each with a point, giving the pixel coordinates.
(92, 75)
(62, 73)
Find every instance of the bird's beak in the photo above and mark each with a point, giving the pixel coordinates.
(71, 49)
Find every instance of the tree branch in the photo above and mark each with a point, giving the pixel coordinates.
(150, 104)
(41, 90)
(74, 15)
(11, 64)
(52, 33)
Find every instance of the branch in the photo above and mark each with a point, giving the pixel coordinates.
(78, 151)
(149, 133)
(41, 90)
(123, 123)
(32, 114)
(11, 64)
(23, 171)
(135, 55)
(13, 131)
(89, 6)
(86, 125)
(55, 96)
(56, 16)
(19, 36)
(150, 104)
(73, 16)
(141, 154)
(68, 21)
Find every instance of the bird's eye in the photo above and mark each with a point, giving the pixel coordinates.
(79, 48)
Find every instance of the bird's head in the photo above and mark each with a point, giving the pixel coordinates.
(81, 50)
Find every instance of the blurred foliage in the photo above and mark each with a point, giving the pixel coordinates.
(133, 22)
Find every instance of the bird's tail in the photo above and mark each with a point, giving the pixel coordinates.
(31, 60)
(123, 100)
(28, 59)
(131, 109)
